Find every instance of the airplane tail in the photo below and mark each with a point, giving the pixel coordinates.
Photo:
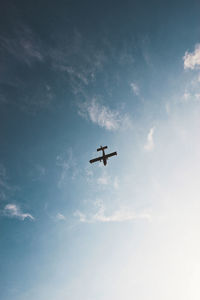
(102, 148)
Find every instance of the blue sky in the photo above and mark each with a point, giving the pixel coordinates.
(75, 75)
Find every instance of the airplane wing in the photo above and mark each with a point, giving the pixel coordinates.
(96, 159)
(111, 154)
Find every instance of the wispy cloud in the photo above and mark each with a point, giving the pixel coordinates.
(41, 170)
(3, 177)
(14, 211)
(38, 172)
(191, 89)
(103, 179)
(67, 163)
(81, 216)
(135, 88)
(81, 61)
(120, 215)
(60, 217)
(5, 187)
(23, 45)
(116, 183)
(103, 116)
(192, 60)
(149, 146)
(186, 96)
(89, 175)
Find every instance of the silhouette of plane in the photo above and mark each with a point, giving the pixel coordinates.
(104, 156)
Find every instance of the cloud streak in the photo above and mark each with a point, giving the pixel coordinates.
(149, 146)
(120, 215)
(13, 211)
(68, 165)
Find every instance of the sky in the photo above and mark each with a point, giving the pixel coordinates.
(75, 75)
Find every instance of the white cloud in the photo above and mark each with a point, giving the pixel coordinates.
(192, 60)
(60, 217)
(135, 88)
(120, 215)
(13, 211)
(150, 142)
(103, 116)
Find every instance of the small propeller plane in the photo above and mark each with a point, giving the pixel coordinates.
(104, 156)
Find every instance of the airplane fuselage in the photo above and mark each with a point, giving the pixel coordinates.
(104, 158)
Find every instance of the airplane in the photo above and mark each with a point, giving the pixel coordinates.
(104, 156)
